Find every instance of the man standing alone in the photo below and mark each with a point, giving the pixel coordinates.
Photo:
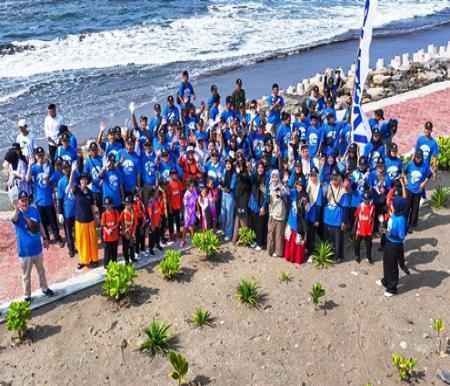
(51, 125)
(29, 230)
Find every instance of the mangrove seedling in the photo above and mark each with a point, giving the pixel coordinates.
(405, 367)
(206, 242)
(247, 236)
(439, 197)
(321, 257)
(158, 338)
(170, 265)
(248, 292)
(180, 366)
(439, 326)
(201, 317)
(16, 317)
(118, 279)
(286, 276)
(316, 293)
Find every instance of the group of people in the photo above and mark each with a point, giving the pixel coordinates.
(291, 178)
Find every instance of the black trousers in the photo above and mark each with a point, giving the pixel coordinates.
(311, 237)
(393, 256)
(98, 200)
(52, 150)
(368, 244)
(140, 236)
(174, 219)
(335, 236)
(128, 249)
(110, 252)
(154, 237)
(48, 218)
(163, 227)
(259, 225)
(69, 226)
(413, 208)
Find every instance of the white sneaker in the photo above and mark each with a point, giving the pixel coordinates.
(309, 259)
(258, 248)
(379, 283)
(145, 253)
(226, 238)
(388, 294)
(274, 255)
(252, 245)
(136, 256)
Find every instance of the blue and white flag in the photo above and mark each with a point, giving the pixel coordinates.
(361, 132)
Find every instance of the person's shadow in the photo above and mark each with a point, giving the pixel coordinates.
(420, 257)
(423, 278)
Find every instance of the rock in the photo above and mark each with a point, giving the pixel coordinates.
(429, 77)
(426, 335)
(403, 345)
(379, 80)
(444, 375)
(376, 92)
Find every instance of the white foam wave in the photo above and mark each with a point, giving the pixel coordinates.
(226, 31)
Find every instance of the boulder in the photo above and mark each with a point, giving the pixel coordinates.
(379, 80)
(376, 93)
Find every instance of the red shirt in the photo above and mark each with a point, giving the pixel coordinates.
(173, 192)
(139, 209)
(108, 220)
(190, 169)
(154, 211)
(365, 216)
(129, 222)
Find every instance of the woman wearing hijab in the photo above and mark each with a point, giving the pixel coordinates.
(17, 170)
(258, 205)
(294, 244)
(336, 214)
(242, 194)
(314, 192)
(278, 194)
(393, 254)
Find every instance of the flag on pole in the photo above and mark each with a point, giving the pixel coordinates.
(361, 132)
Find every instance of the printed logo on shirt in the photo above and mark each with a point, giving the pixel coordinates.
(150, 167)
(313, 139)
(426, 150)
(113, 182)
(392, 172)
(128, 166)
(41, 180)
(416, 176)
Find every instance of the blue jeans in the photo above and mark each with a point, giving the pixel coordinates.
(227, 214)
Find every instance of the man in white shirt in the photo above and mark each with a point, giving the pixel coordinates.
(26, 139)
(51, 125)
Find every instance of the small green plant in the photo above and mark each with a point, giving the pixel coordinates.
(16, 317)
(206, 242)
(180, 366)
(439, 326)
(118, 279)
(285, 276)
(443, 159)
(439, 197)
(405, 367)
(351, 242)
(158, 338)
(170, 265)
(247, 236)
(248, 292)
(321, 257)
(316, 293)
(202, 317)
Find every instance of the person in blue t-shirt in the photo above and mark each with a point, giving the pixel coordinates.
(275, 103)
(130, 166)
(139, 131)
(164, 165)
(256, 140)
(66, 208)
(156, 121)
(72, 139)
(93, 166)
(185, 92)
(112, 183)
(374, 149)
(111, 145)
(214, 169)
(213, 113)
(301, 125)
(40, 173)
(149, 173)
(284, 134)
(315, 103)
(393, 254)
(65, 151)
(418, 174)
(228, 114)
(394, 165)
(429, 147)
(29, 230)
(380, 186)
(336, 212)
(211, 98)
(314, 137)
(345, 135)
(171, 111)
(360, 181)
(330, 135)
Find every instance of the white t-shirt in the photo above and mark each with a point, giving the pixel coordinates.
(27, 143)
(51, 126)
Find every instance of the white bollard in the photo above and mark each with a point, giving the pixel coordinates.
(442, 51)
(305, 84)
(352, 70)
(431, 50)
(290, 90)
(415, 57)
(427, 57)
(300, 89)
(318, 78)
(421, 52)
(421, 55)
(380, 64)
(405, 60)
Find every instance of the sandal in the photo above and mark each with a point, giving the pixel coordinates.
(80, 266)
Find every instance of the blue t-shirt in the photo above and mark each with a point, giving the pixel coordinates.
(171, 113)
(274, 117)
(301, 127)
(360, 183)
(213, 112)
(345, 137)
(113, 148)
(185, 90)
(42, 190)
(130, 168)
(415, 175)
(256, 143)
(148, 171)
(93, 166)
(394, 167)
(28, 243)
(69, 154)
(396, 229)
(65, 193)
(164, 169)
(83, 205)
(228, 116)
(314, 137)
(377, 185)
(214, 171)
(330, 138)
(373, 152)
(335, 215)
(283, 139)
(153, 125)
(112, 181)
(429, 148)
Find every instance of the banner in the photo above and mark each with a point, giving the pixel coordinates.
(361, 132)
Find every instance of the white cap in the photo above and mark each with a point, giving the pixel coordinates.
(22, 122)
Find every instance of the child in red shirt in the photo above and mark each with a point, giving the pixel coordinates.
(141, 217)
(364, 219)
(154, 212)
(174, 191)
(110, 231)
(129, 223)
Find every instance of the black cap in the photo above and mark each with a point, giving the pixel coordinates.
(201, 121)
(242, 105)
(418, 153)
(268, 142)
(335, 172)
(39, 151)
(86, 176)
(185, 73)
(128, 200)
(170, 98)
(353, 147)
(316, 88)
(157, 106)
(299, 181)
(23, 195)
(275, 85)
(380, 113)
(93, 146)
(63, 129)
(108, 201)
(297, 163)
(214, 153)
(164, 152)
(65, 164)
(131, 140)
(367, 196)
(239, 81)
(375, 131)
(393, 147)
(147, 143)
(173, 171)
(15, 146)
(314, 171)
(380, 162)
(64, 136)
(213, 87)
(363, 161)
(172, 122)
(429, 126)
(182, 136)
(117, 129)
(59, 160)
(229, 99)
(111, 157)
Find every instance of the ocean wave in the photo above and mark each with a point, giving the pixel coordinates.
(232, 33)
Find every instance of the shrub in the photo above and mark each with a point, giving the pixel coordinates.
(321, 257)
(17, 316)
(158, 338)
(170, 265)
(248, 292)
(206, 242)
(247, 236)
(118, 279)
(285, 276)
(202, 317)
(439, 326)
(316, 293)
(443, 159)
(405, 367)
(439, 197)
(180, 367)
